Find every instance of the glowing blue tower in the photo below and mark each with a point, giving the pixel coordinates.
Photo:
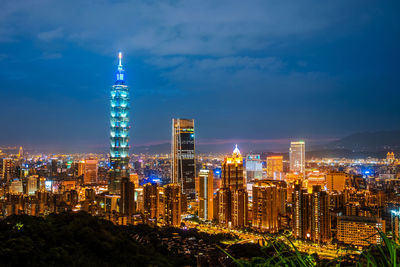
(119, 131)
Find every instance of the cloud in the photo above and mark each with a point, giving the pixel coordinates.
(222, 28)
(47, 55)
(51, 35)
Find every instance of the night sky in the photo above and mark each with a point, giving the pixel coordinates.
(258, 72)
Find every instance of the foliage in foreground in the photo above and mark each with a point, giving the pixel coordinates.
(277, 253)
(74, 240)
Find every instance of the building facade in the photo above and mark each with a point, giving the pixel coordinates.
(359, 231)
(205, 194)
(297, 157)
(269, 203)
(183, 156)
(275, 167)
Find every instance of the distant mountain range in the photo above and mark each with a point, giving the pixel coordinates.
(358, 145)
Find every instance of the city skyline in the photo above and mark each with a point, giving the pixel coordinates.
(280, 83)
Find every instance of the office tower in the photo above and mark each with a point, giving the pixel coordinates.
(297, 157)
(253, 167)
(16, 187)
(321, 220)
(7, 169)
(20, 152)
(32, 184)
(183, 156)
(81, 168)
(224, 214)
(232, 171)
(151, 201)
(119, 131)
(232, 196)
(53, 167)
(360, 231)
(134, 178)
(172, 204)
(275, 167)
(90, 175)
(269, 203)
(337, 181)
(239, 207)
(205, 194)
(301, 220)
(127, 204)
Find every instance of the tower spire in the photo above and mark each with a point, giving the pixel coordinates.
(120, 58)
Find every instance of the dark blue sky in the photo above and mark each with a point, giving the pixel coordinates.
(246, 71)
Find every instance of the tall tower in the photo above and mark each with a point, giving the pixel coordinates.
(183, 157)
(297, 156)
(119, 131)
(206, 192)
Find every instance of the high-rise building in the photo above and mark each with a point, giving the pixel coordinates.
(311, 216)
(127, 202)
(269, 203)
(172, 204)
(134, 178)
(53, 167)
(205, 194)
(395, 224)
(90, 174)
(151, 201)
(232, 171)
(81, 168)
(253, 167)
(297, 157)
(20, 152)
(301, 213)
(7, 169)
(183, 156)
(32, 184)
(321, 219)
(16, 187)
(337, 181)
(119, 131)
(275, 167)
(232, 196)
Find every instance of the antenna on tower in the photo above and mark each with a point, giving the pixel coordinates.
(120, 58)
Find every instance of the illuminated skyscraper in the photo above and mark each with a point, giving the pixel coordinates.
(127, 202)
(7, 169)
(172, 204)
(20, 152)
(90, 174)
(297, 156)
(274, 167)
(337, 181)
(269, 202)
(151, 201)
(183, 156)
(321, 219)
(119, 131)
(301, 221)
(206, 193)
(232, 171)
(232, 196)
(253, 167)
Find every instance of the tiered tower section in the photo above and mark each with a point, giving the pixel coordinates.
(119, 131)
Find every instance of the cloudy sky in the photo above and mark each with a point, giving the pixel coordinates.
(260, 72)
